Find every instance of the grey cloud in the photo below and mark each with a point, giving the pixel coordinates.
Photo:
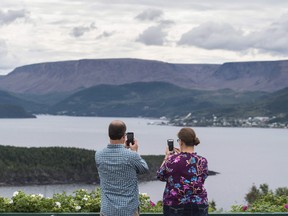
(81, 30)
(150, 15)
(215, 36)
(11, 15)
(272, 39)
(166, 23)
(105, 34)
(154, 35)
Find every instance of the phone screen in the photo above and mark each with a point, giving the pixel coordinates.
(130, 138)
(170, 143)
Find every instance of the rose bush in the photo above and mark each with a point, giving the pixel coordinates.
(79, 201)
(147, 205)
(264, 200)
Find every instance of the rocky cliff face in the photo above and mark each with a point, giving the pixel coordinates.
(72, 76)
(253, 76)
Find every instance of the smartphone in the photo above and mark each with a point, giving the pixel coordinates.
(170, 143)
(130, 138)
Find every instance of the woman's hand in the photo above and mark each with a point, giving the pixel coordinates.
(177, 150)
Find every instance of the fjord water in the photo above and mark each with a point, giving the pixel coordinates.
(242, 156)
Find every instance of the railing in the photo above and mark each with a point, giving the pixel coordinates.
(144, 214)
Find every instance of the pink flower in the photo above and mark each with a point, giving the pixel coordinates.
(173, 192)
(152, 203)
(286, 206)
(186, 187)
(245, 207)
(176, 160)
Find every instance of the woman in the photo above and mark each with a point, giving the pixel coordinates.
(184, 172)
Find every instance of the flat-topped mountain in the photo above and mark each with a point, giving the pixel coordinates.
(72, 76)
(253, 76)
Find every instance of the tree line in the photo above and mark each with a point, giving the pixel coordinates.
(57, 165)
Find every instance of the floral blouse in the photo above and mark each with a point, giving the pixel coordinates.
(185, 174)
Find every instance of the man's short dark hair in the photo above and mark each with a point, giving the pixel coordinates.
(117, 130)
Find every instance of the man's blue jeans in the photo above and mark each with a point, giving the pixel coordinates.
(186, 210)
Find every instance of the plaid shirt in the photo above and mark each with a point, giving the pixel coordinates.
(118, 168)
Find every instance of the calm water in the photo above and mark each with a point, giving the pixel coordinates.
(243, 156)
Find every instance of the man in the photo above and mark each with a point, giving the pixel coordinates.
(118, 165)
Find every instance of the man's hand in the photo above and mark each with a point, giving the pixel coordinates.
(134, 147)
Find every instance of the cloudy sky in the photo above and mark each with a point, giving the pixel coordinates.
(176, 31)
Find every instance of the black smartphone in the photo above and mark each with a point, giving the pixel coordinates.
(130, 138)
(170, 143)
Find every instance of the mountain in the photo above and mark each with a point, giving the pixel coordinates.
(276, 104)
(154, 99)
(8, 98)
(134, 87)
(71, 76)
(136, 99)
(14, 107)
(253, 76)
(12, 111)
(273, 104)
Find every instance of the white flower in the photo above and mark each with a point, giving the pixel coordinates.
(11, 202)
(85, 198)
(144, 194)
(15, 193)
(58, 204)
(78, 208)
(41, 195)
(33, 195)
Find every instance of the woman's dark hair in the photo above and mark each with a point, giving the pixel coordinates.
(116, 130)
(188, 136)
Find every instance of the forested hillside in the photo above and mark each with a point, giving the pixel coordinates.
(154, 99)
(57, 165)
(12, 106)
(53, 165)
(13, 111)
